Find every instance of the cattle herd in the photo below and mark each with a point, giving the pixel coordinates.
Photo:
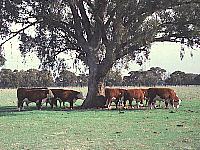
(120, 96)
(117, 95)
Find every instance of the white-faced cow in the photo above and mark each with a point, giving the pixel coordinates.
(168, 95)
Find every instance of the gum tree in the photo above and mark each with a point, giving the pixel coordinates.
(100, 32)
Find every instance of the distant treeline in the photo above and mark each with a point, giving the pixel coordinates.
(43, 78)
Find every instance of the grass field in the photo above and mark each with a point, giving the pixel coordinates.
(160, 129)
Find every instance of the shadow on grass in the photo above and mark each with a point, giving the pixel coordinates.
(13, 111)
(8, 111)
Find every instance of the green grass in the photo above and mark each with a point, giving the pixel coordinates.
(160, 129)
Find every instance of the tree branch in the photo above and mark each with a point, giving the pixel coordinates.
(64, 27)
(16, 33)
(85, 20)
(63, 50)
(112, 14)
(77, 22)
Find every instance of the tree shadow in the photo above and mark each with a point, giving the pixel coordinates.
(13, 111)
(8, 109)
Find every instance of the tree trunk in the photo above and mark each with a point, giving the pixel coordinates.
(95, 87)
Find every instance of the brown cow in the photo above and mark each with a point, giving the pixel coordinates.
(38, 96)
(134, 94)
(63, 95)
(113, 95)
(35, 88)
(167, 94)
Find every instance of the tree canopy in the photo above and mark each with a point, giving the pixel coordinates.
(101, 32)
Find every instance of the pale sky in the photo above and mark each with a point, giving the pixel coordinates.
(164, 55)
(167, 56)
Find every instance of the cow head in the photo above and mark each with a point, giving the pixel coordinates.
(80, 95)
(50, 94)
(177, 103)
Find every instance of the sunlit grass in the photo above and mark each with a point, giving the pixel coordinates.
(101, 129)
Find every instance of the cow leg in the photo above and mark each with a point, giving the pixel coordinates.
(151, 101)
(130, 104)
(46, 104)
(137, 104)
(55, 102)
(52, 102)
(26, 104)
(125, 105)
(154, 104)
(71, 104)
(141, 103)
(172, 103)
(38, 105)
(118, 102)
(108, 103)
(150, 104)
(20, 105)
(60, 103)
(51, 105)
(166, 104)
(146, 102)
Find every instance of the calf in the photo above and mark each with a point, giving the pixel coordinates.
(167, 94)
(113, 95)
(134, 94)
(63, 95)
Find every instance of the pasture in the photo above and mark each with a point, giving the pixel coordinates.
(162, 129)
